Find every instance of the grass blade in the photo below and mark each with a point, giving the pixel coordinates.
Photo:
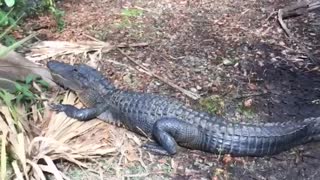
(10, 27)
(5, 50)
(17, 171)
(3, 155)
(7, 84)
(52, 168)
(39, 175)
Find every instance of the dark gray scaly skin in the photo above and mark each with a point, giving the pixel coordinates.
(171, 123)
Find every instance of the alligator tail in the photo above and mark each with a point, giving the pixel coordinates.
(314, 128)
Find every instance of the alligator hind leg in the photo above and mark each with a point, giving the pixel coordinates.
(84, 114)
(156, 149)
(170, 131)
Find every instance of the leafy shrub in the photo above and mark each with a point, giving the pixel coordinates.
(11, 11)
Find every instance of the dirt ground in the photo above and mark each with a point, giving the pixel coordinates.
(233, 50)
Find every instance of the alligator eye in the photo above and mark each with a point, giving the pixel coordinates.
(75, 70)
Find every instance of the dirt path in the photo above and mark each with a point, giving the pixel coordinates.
(232, 50)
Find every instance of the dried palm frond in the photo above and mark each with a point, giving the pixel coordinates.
(13, 66)
(51, 49)
(60, 137)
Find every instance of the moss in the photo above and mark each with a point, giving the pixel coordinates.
(212, 104)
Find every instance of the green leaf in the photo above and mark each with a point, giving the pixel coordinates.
(24, 89)
(8, 40)
(9, 3)
(7, 84)
(6, 97)
(4, 51)
(30, 78)
(3, 18)
(28, 93)
(19, 98)
(132, 12)
(43, 83)
(18, 87)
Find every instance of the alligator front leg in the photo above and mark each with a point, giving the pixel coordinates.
(170, 131)
(83, 114)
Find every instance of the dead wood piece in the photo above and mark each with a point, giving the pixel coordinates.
(282, 24)
(299, 8)
(15, 67)
(190, 94)
(296, 9)
(284, 12)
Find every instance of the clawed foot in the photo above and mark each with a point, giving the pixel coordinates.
(57, 107)
(155, 149)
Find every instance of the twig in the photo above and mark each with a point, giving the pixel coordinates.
(250, 95)
(144, 134)
(270, 15)
(291, 37)
(142, 162)
(190, 94)
(123, 45)
(300, 8)
(93, 38)
(282, 24)
(118, 63)
(136, 175)
(143, 44)
(296, 9)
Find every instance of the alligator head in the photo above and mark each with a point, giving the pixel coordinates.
(78, 77)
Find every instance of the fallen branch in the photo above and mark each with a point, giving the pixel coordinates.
(190, 94)
(122, 45)
(296, 10)
(282, 24)
(299, 8)
(13, 67)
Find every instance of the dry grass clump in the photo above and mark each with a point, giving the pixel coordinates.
(31, 141)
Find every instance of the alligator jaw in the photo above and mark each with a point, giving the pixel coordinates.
(63, 74)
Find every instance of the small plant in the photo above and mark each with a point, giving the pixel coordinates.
(7, 23)
(167, 168)
(5, 50)
(25, 93)
(212, 105)
(131, 13)
(127, 16)
(58, 15)
(11, 11)
(9, 3)
(16, 102)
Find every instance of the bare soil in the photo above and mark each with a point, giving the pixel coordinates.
(235, 50)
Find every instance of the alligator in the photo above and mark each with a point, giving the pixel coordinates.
(171, 123)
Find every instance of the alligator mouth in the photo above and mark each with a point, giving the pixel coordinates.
(60, 80)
